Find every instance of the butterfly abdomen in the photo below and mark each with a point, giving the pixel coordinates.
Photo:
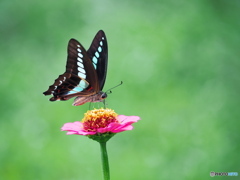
(99, 97)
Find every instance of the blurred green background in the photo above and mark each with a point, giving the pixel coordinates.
(179, 61)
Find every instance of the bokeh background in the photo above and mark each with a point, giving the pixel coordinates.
(179, 61)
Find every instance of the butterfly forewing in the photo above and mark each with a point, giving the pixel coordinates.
(98, 53)
(85, 71)
(80, 65)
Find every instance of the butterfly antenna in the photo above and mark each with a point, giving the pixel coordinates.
(109, 90)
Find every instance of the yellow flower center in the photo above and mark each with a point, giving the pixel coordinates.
(98, 118)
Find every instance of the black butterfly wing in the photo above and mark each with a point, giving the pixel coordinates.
(80, 77)
(98, 53)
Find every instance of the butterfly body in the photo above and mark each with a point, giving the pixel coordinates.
(85, 73)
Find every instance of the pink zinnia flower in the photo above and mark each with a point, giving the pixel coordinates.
(100, 121)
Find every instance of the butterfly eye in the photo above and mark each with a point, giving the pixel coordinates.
(104, 95)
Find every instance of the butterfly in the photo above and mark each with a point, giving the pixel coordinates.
(85, 73)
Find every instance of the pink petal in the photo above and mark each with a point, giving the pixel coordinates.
(86, 133)
(122, 127)
(109, 128)
(75, 128)
(71, 132)
(125, 124)
(124, 119)
(102, 130)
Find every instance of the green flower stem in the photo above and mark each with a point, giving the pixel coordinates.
(105, 165)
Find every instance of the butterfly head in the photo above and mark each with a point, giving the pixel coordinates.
(99, 97)
(103, 95)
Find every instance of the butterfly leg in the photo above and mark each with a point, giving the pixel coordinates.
(104, 103)
(89, 105)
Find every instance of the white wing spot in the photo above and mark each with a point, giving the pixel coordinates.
(79, 50)
(80, 65)
(102, 38)
(55, 87)
(60, 82)
(64, 78)
(97, 54)
(99, 49)
(83, 84)
(77, 89)
(95, 60)
(81, 70)
(82, 75)
(101, 43)
(79, 59)
(80, 55)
